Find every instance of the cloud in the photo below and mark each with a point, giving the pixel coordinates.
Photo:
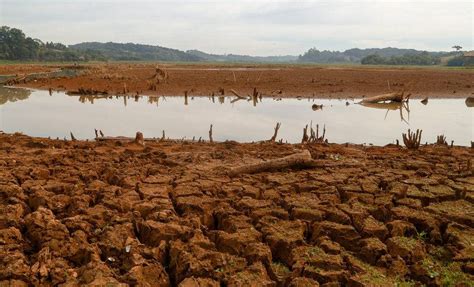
(247, 27)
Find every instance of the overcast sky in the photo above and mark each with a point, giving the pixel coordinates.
(255, 27)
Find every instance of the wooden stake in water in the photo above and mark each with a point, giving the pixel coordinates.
(210, 134)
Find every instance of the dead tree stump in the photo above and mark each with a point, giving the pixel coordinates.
(210, 135)
(275, 134)
(139, 139)
(411, 139)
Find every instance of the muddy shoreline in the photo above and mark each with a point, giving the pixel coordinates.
(168, 214)
(270, 81)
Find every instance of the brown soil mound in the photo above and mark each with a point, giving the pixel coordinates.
(114, 213)
(278, 81)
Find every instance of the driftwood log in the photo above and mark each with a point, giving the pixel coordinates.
(301, 159)
(119, 138)
(393, 97)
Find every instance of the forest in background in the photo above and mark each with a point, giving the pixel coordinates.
(16, 46)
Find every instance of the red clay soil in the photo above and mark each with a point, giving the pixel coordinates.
(279, 81)
(77, 213)
(23, 69)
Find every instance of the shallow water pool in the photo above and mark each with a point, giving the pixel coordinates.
(37, 113)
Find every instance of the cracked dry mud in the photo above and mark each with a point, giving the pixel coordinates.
(117, 214)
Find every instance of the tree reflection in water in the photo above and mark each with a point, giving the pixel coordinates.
(13, 94)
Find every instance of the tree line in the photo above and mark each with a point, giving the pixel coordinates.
(419, 59)
(14, 45)
(384, 56)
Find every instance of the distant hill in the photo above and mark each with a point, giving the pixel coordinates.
(135, 52)
(356, 55)
(140, 52)
(242, 58)
(384, 52)
(16, 46)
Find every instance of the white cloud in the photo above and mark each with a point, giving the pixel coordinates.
(247, 27)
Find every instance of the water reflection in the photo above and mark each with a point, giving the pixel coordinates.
(6, 78)
(470, 102)
(90, 99)
(13, 95)
(391, 106)
(248, 119)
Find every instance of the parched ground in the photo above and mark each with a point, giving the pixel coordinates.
(274, 80)
(167, 214)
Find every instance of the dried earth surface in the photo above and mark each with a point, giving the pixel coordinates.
(76, 213)
(270, 80)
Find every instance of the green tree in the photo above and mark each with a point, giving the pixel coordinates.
(14, 45)
(373, 59)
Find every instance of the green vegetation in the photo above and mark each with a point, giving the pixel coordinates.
(407, 242)
(449, 274)
(452, 275)
(14, 45)
(460, 61)
(419, 59)
(280, 269)
(422, 236)
(135, 52)
(315, 56)
(405, 283)
(241, 58)
(384, 56)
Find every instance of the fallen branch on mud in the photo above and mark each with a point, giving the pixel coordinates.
(302, 159)
(118, 138)
(393, 97)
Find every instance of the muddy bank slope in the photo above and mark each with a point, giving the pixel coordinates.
(167, 214)
(281, 81)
